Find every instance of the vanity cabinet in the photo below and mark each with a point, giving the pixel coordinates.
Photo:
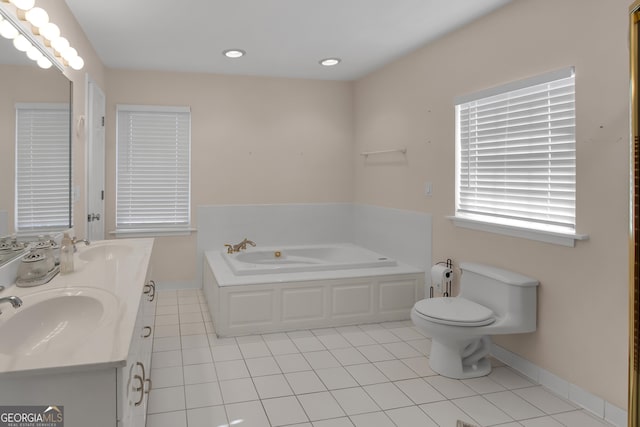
(96, 396)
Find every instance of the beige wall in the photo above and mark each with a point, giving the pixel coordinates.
(254, 140)
(582, 316)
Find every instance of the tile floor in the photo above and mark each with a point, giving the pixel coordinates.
(364, 376)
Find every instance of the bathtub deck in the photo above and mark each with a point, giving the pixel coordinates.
(364, 296)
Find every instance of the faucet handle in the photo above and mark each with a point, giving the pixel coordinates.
(229, 248)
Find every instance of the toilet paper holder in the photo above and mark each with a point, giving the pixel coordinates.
(448, 283)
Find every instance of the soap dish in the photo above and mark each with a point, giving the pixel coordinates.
(23, 283)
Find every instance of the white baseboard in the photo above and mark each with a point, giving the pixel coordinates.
(563, 388)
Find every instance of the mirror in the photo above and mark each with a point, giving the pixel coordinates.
(23, 82)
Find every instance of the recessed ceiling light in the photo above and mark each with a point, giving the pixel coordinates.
(233, 53)
(329, 62)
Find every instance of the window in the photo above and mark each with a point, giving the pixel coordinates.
(43, 168)
(515, 154)
(153, 169)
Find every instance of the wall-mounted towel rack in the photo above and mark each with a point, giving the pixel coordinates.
(396, 150)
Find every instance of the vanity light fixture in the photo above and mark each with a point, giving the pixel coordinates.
(29, 28)
(234, 53)
(329, 62)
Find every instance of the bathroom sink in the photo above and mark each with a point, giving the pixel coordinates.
(105, 252)
(56, 321)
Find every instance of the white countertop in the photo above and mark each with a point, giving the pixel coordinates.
(117, 280)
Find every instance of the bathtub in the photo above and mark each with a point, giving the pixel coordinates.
(284, 288)
(277, 260)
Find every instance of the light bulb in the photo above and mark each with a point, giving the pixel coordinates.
(7, 30)
(76, 63)
(34, 53)
(69, 53)
(50, 31)
(44, 63)
(60, 44)
(234, 53)
(329, 62)
(38, 17)
(23, 4)
(21, 43)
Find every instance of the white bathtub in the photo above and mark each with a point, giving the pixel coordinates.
(306, 287)
(277, 260)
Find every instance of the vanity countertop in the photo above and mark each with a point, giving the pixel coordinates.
(78, 321)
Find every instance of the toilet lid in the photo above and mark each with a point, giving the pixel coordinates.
(454, 311)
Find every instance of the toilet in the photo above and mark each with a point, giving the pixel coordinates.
(492, 301)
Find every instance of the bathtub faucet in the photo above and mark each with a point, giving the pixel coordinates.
(239, 246)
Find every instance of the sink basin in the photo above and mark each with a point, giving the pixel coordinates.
(56, 321)
(108, 252)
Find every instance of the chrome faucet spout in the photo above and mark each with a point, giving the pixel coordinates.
(75, 241)
(14, 301)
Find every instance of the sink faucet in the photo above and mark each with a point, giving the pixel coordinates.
(75, 241)
(239, 246)
(14, 301)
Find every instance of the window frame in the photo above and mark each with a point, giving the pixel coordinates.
(562, 235)
(153, 228)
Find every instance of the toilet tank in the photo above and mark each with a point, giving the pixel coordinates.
(511, 296)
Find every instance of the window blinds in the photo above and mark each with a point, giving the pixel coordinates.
(516, 152)
(42, 167)
(153, 167)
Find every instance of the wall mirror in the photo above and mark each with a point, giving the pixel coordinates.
(43, 209)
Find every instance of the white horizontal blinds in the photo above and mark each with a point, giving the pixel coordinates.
(517, 154)
(153, 176)
(42, 167)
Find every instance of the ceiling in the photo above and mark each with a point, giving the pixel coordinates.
(282, 38)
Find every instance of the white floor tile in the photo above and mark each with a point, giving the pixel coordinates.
(334, 341)
(382, 336)
(240, 390)
(579, 419)
(292, 362)
(375, 353)
(407, 333)
(167, 377)
(335, 378)
(254, 349)
(231, 370)
(194, 341)
(483, 385)
(541, 422)
(355, 401)
(357, 337)
(167, 319)
(420, 365)
(395, 370)
(200, 395)
(509, 379)
(166, 309)
(411, 416)
(166, 400)
(166, 331)
(321, 359)
(450, 388)
(165, 359)
(419, 391)
(482, 410)
(197, 374)
(262, 366)
(305, 382)
(182, 300)
(349, 356)
(310, 343)
(545, 400)
(284, 410)
(445, 413)
(250, 414)
(211, 416)
(167, 419)
(226, 352)
(191, 317)
(401, 350)
(196, 356)
(272, 386)
(336, 422)
(192, 329)
(320, 406)
(189, 308)
(280, 345)
(366, 374)
(423, 346)
(373, 419)
(387, 396)
(514, 405)
(166, 343)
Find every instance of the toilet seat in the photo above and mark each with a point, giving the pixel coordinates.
(454, 311)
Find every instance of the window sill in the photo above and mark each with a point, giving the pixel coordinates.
(152, 232)
(564, 238)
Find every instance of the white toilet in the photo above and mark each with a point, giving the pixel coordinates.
(492, 301)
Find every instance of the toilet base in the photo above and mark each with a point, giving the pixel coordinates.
(461, 359)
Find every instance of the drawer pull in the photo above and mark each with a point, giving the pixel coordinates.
(150, 289)
(140, 389)
(147, 335)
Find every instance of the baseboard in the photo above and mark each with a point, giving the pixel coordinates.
(563, 388)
